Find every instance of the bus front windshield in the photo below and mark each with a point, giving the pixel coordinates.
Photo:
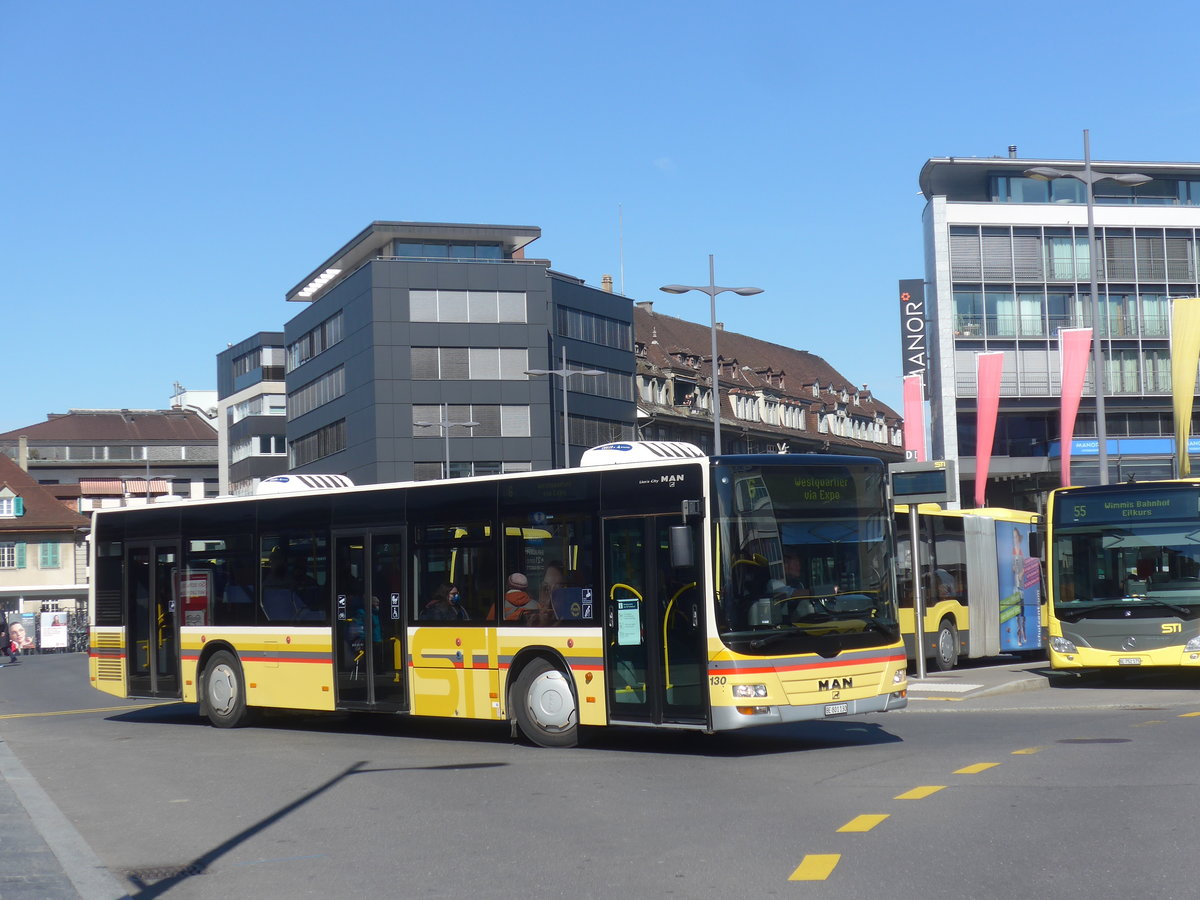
(803, 559)
(1116, 571)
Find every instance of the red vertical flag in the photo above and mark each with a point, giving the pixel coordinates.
(914, 417)
(988, 367)
(1074, 348)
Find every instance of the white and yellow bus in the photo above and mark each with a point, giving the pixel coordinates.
(647, 593)
(1123, 575)
(981, 585)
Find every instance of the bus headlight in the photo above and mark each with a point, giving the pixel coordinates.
(1192, 646)
(1062, 645)
(749, 690)
(901, 675)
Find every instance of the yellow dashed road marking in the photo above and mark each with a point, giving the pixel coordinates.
(1028, 751)
(77, 712)
(920, 793)
(815, 867)
(864, 823)
(975, 769)
(1188, 715)
(1144, 724)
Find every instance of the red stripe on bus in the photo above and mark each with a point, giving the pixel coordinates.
(287, 659)
(739, 669)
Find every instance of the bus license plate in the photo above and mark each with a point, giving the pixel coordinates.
(837, 709)
(1129, 661)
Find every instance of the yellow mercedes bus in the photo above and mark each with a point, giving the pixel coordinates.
(1123, 564)
(981, 585)
(648, 593)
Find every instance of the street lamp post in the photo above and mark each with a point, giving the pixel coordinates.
(564, 373)
(712, 289)
(1089, 179)
(445, 424)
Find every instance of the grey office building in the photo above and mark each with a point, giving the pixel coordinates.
(1008, 266)
(251, 412)
(410, 361)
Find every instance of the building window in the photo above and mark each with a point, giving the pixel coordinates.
(470, 363)
(491, 420)
(315, 342)
(584, 326)
(12, 554)
(11, 507)
(316, 393)
(318, 444)
(447, 250)
(613, 383)
(466, 306)
(48, 556)
(262, 405)
(586, 432)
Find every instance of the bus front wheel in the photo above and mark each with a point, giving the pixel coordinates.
(545, 706)
(224, 691)
(945, 650)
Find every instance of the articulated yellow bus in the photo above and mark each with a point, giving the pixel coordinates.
(1123, 564)
(647, 593)
(980, 583)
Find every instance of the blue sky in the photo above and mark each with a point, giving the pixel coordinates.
(171, 170)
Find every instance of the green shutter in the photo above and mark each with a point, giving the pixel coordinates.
(49, 555)
(18, 506)
(20, 547)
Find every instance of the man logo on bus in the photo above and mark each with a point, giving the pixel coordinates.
(835, 684)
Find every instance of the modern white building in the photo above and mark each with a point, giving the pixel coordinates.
(1007, 265)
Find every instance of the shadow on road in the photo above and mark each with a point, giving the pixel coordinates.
(798, 737)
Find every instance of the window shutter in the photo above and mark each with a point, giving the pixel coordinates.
(20, 548)
(18, 506)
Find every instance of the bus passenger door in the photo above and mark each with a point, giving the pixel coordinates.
(390, 679)
(151, 601)
(368, 630)
(656, 662)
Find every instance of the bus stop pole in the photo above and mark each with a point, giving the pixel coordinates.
(918, 592)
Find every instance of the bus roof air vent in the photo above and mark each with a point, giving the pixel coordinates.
(621, 452)
(292, 484)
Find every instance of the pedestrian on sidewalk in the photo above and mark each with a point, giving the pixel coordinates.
(7, 644)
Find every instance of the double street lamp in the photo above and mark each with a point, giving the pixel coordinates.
(445, 424)
(564, 373)
(1089, 179)
(712, 289)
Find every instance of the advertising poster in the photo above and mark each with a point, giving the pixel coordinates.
(1020, 580)
(23, 630)
(54, 630)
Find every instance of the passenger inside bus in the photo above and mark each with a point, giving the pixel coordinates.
(446, 605)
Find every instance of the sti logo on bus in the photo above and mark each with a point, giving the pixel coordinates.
(834, 684)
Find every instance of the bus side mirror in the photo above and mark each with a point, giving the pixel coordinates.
(683, 550)
(1035, 544)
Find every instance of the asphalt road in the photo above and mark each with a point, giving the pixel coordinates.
(1024, 785)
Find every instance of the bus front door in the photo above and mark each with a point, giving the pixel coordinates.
(368, 625)
(151, 602)
(656, 662)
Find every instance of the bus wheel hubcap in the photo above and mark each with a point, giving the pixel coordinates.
(222, 689)
(550, 701)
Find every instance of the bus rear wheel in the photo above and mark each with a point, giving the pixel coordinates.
(945, 650)
(224, 691)
(545, 706)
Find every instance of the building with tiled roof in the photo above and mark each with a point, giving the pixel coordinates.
(116, 455)
(43, 558)
(773, 398)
